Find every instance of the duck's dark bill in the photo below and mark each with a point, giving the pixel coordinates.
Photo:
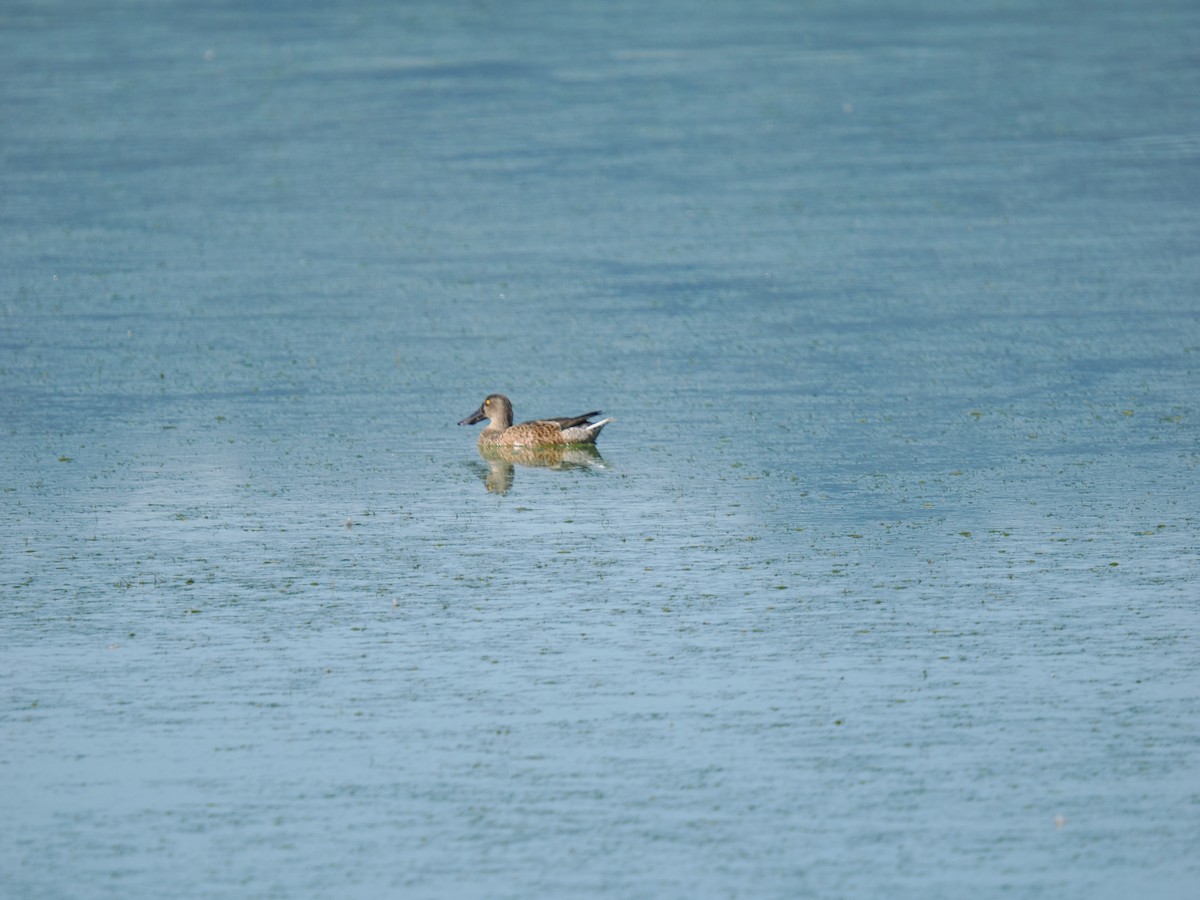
(477, 416)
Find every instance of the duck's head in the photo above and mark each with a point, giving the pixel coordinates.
(495, 408)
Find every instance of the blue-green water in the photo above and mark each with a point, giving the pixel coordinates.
(886, 581)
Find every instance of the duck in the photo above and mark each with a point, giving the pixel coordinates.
(501, 432)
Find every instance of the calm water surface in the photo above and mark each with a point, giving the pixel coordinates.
(885, 579)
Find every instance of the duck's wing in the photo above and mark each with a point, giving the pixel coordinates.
(565, 423)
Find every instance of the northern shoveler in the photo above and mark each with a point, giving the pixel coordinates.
(501, 431)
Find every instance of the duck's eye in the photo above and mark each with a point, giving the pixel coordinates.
(487, 402)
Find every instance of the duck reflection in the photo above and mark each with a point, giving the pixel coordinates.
(503, 461)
